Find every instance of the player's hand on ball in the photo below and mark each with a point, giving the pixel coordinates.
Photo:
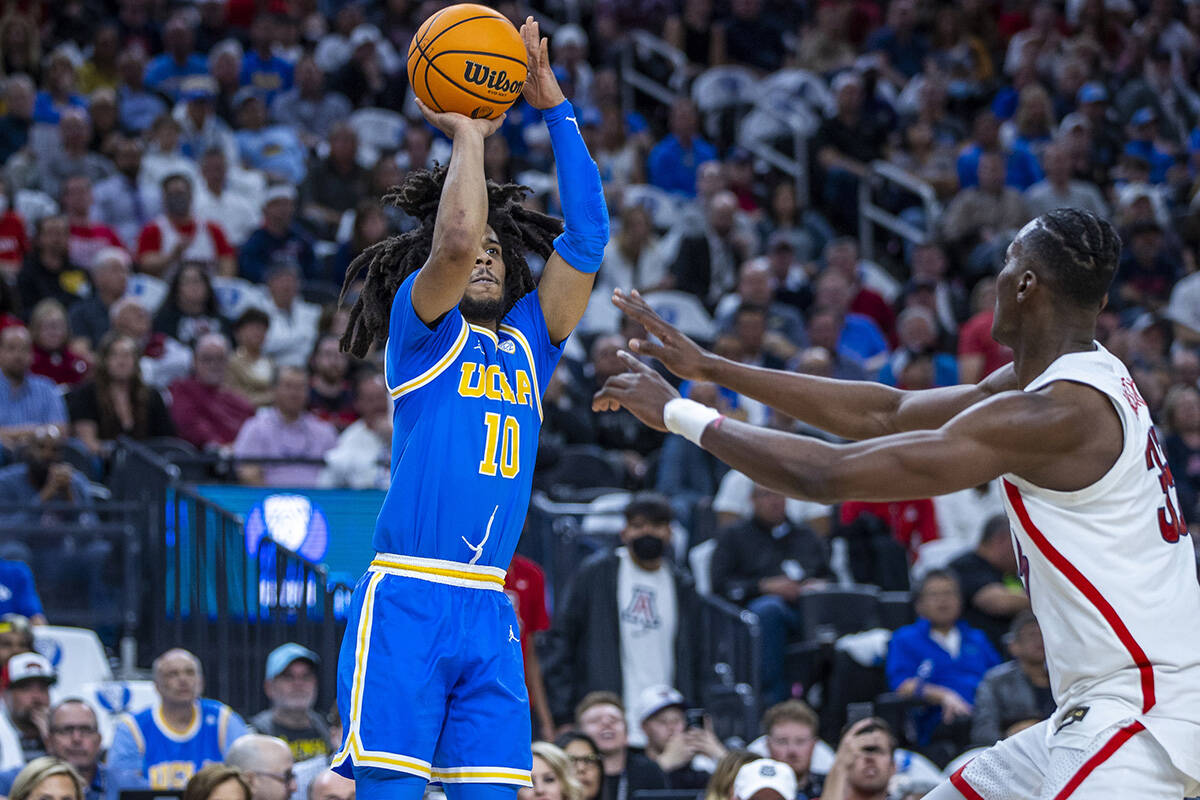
(451, 123)
(641, 391)
(677, 352)
(541, 87)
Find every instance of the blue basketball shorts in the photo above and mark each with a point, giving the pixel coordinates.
(431, 681)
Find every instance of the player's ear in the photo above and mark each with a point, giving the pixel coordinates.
(1026, 284)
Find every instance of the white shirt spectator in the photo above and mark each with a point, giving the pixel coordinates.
(961, 515)
(361, 459)
(647, 617)
(237, 215)
(734, 493)
(292, 333)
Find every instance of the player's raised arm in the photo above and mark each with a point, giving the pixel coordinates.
(850, 409)
(571, 270)
(461, 217)
(1025, 433)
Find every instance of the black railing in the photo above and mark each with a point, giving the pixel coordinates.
(210, 592)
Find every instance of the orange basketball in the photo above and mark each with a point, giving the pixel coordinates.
(467, 58)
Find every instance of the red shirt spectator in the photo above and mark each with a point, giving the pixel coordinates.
(525, 585)
(14, 241)
(152, 238)
(205, 412)
(88, 239)
(911, 521)
(61, 366)
(979, 355)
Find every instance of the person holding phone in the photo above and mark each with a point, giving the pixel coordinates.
(679, 739)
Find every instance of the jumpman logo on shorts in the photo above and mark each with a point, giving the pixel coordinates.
(512, 637)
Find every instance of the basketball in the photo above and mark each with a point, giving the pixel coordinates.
(469, 59)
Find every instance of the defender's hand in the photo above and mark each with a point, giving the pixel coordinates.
(452, 123)
(541, 87)
(641, 391)
(678, 353)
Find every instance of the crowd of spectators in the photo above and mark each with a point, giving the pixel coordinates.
(183, 186)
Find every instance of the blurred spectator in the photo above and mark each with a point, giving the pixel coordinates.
(633, 259)
(261, 68)
(164, 154)
(72, 156)
(19, 95)
(1017, 692)
(988, 577)
(1143, 142)
(753, 37)
(918, 339)
(52, 356)
(370, 227)
(166, 72)
(329, 394)
(787, 219)
(14, 239)
(844, 146)
(600, 715)
(329, 785)
(755, 289)
(1060, 190)
(1171, 102)
(216, 781)
(673, 161)
(279, 240)
(334, 184)
(617, 431)
(763, 779)
(586, 762)
(217, 200)
(59, 94)
(791, 730)
(205, 413)
(1147, 269)
(569, 60)
(27, 401)
(275, 149)
(823, 46)
(163, 746)
(293, 322)
(687, 754)
(137, 106)
(857, 335)
(89, 317)
(190, 309)
(284, 431)
(116, 402)
(902, 46)
(267, 763)
(1181, 412)
(24, 725)
(525, 585)
(74, 737)
(47, 777)
(865, 762)
(19, 606)
(48, 271)
(930, 267)
(309, 107)
(121, 201)
(251, 374)
(627, 621)
(225, 64)
(313, 770)
(161, 358)
(99, 71)
(362, 457)
(707, 261)
(291, 688)
(87, 236)
(872, 290)
(940, 659)
(179, 237)
(364, 79)
(979, 355)
(764, 564)
(22, 47)
(687, 473)
(981, 221)
(200, 126)
(1021, 169)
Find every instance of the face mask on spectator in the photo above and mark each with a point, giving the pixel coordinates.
(648, 547)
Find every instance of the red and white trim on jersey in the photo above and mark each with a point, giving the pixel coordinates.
(1103, 754)
(965, 789)
(1089, 591)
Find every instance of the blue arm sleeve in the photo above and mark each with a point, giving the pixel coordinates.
(585, 215)
(125, 762)
(29, 603)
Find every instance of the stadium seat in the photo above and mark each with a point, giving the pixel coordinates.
(838, 611)
(148, 290)
(235, 295)
(700, 563)
(586, 467)
(76, 655)
(797, 85)
(323, 293)
(896, 610)
(724, 88)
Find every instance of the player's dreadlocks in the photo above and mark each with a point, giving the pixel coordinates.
(389, 262)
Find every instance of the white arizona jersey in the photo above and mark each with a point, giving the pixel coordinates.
(1112, 577)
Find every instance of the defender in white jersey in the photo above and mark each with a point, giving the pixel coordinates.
(1097, 529)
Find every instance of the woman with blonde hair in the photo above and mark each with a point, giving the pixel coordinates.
(217, 782)
(720, 785)
(47, 778)
(552, 774)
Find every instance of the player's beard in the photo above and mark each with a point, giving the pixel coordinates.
(481, 311)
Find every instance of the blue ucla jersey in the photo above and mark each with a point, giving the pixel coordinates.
(172, 757)
(467, 412)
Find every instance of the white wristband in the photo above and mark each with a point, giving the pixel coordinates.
(688, 418)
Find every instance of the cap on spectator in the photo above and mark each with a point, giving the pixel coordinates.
(364, 34)
(1092, 92)
(570, 34)
(244, 94)
(28, 667)
(279, 191)
(766, 773)
(285, 655)
(654, 699)
(1143, 116)
(198, 87)
(1074, 120)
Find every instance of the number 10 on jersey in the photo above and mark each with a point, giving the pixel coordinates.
(505, 438)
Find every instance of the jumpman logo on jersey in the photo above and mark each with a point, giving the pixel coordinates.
(477, 549)
(512, 637)
(479, 347)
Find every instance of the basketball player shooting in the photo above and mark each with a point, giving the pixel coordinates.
(430, 675)
(1091, 503)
